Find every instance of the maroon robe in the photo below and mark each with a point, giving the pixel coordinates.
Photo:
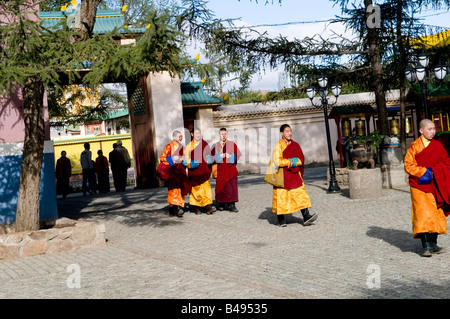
(436, 157)
(292, 178)
(226, 182)
(177, 175)
(202, 173)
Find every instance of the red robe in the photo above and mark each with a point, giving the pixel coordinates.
(226, 171)
(199, 153)
(292, 178)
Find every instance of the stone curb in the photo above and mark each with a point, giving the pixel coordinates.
(65, 235)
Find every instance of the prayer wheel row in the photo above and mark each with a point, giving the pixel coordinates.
(360, 127)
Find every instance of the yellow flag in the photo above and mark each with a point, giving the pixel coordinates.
(203, 80)
(198, 56)
(148, 25)
(124, 8)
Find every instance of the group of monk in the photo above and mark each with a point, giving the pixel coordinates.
(191, 168)
(200, 160)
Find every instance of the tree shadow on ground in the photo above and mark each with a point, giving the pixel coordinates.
(401, 239)
(121, 207)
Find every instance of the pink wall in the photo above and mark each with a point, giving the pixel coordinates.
(12, 127)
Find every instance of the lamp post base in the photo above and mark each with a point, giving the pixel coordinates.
(333, 188)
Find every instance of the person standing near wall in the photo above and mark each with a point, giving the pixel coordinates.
(198, 161)
(63, 174)
(120, 162)
(87, 168)
(102, 170)
(225, 154)
(288, 156)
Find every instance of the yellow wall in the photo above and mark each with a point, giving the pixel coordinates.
(74, 147)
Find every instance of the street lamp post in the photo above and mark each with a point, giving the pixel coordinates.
(323, 92)
(418, 72)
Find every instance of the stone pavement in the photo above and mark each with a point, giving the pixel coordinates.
(355, 249)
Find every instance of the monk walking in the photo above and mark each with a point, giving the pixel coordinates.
(428, 164)
(177, 184)
(288, 156)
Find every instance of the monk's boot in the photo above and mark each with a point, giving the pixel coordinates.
(426, 252)
(220, 206)
(307, 217)
(438, 250)
(435, 249)
(180, 211)
(281, 221)
(427, 244)
(194, 209)
(209, 209)
(172, 210)
(232, 208)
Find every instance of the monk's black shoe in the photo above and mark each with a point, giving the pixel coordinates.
(232, 208)
(307, 217)
(426, 252)
(209, 209)
(438, 250)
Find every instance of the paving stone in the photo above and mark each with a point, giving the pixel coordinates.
(149, 254)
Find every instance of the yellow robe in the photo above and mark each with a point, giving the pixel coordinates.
(174, 195)
(286, 201)
(200, 195)
(426, 217)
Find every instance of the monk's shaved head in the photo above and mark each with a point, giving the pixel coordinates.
(425, 122)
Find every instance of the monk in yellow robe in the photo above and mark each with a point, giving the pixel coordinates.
(177, 182)
(427, 163)
(198, 161)
(288, 156)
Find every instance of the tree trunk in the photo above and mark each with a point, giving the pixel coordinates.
(27, 214)
(84, 22)
(401, 51)
(375, 60)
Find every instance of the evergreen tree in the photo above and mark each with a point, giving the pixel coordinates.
(34, 58)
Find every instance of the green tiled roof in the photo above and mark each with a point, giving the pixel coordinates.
(105, 21)
(192, 94)
(114, 115)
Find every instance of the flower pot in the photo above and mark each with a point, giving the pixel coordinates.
(362, 153)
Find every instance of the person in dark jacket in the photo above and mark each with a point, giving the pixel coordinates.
(120, 162)
(63, 174)
(102, 170)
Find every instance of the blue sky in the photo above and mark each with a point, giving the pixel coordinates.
(252, 13)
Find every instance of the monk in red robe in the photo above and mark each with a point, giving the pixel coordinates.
(198, 161)
(428, 165)
(288, 156)
(177, 184)
(225, 154)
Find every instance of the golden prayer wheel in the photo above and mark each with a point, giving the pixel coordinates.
(395, 127)
(346, 127)
(360, 127)
(408, 126)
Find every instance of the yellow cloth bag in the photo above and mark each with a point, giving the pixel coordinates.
(274, 175)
